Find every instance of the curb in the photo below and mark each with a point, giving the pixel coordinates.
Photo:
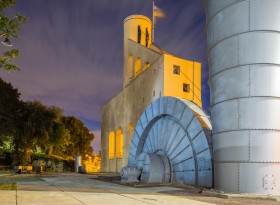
(247, 196)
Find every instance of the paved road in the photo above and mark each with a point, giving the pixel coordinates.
(76, 189)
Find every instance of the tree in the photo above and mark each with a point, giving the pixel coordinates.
(38, 127)
(80, 137)
(9, 28)
(10, 108)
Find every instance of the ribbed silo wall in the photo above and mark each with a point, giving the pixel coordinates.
(244, 62)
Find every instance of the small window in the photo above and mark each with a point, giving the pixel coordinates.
(139, 34)
(154, 93)
(147, 37)
(119, 143)
(137, 67)
(146, 66)
(176, 69)
(186, 87)
(111, 145)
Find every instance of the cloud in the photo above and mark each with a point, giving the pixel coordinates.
(72, 51)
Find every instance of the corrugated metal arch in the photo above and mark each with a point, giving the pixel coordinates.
(170, 127)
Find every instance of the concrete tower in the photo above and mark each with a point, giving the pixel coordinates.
(137, 28)
(244, 59)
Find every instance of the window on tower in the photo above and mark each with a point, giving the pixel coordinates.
(186, 88)
(147, 37)
(176, 69)
(139, 34)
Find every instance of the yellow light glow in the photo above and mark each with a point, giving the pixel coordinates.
(111, 152)
(119, 143)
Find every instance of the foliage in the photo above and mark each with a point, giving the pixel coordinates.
(79, 138)
(10, 107)
(9, 28)
(31, 127)
(38, 128)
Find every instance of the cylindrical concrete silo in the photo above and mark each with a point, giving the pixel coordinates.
(244, 60)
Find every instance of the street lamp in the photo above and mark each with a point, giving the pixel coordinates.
(7, 42)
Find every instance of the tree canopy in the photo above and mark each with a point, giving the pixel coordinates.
(9, 28)
(33, 127)
(10, 106)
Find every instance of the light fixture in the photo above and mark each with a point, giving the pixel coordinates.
(7, 42)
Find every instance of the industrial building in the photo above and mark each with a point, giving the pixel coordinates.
(155, 129)
(150, 73)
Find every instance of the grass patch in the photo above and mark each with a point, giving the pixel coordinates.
(10, 182)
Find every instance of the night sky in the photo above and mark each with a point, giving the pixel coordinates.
(72, 50)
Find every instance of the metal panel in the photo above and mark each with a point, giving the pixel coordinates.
(184, 177)
(155, 105)
(203, 161)
(149, 113)
(144, 120)
(225, 116)
(265, 178)
(214, 6)
(194, 128)
(184, 158)
(170, 107)
(166, 134)
(236, 15)
(264, 15)
(266, 47)
(226, 176)
(186, 117)
(231, 146)
(259, 113)
(230, 84)
(186, 165)
(183, 144)
(161, 105)
(178, 110)
(204, 179)
(200, 143)
(265, 80)
(224, 55)
(176, 141)
(268, 151)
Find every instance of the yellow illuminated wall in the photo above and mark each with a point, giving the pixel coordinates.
(111, 151)
(132, 24)
(182, 79)
(119, 143)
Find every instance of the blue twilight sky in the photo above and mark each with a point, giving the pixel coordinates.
(72, 50)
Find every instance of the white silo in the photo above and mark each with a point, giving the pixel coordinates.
(244, 61)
